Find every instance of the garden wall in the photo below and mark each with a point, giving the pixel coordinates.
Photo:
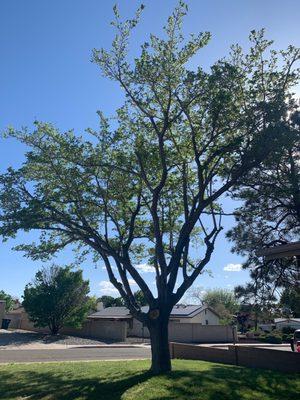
(278, 360)
(190, 332)
(97, 329)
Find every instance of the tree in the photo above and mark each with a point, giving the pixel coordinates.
(150, 185)
(270, 216)
(9, 301)
(109, 301)
(57, 298)
(290, 301)
(255, 302)
(222, 301)
(140, 298)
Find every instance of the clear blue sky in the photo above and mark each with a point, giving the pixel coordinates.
(46, 74)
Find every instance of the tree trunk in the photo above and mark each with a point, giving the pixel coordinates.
(161, 361)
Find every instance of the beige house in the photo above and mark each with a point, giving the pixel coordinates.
(181, 314)
(187, 324)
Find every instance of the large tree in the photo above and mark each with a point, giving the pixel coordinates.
(149, 185)
(270, 216)
(58, 297)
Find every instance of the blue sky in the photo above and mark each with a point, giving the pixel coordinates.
(46, 74)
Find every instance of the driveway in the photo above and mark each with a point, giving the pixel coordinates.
(75, 354)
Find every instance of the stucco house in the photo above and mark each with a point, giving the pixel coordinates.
(287, 322)
(200, 314)
(181, 314)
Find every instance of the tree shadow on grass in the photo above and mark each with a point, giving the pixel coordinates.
(215, 383)
(36, 385)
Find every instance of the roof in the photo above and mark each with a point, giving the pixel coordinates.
(112, 313)
(179, 310)
(276, 320)
(284, 250)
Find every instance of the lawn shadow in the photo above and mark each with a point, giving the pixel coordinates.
(36, 385)
(216, 383)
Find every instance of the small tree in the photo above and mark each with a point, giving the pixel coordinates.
(57, 298)
(151, 185)
(290, 301)
(222, 301)
(109, 301)
(140, 298)
(9, 301)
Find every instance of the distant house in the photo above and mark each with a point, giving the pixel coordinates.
(287, 322)
(199, 314)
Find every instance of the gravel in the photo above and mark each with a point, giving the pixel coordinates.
(19, 338)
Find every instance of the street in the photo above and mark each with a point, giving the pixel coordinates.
(74, 354)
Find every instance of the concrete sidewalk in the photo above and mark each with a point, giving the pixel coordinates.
(75, 354)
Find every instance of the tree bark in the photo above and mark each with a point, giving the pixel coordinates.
(161, 361)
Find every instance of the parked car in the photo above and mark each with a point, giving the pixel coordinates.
(295, 342)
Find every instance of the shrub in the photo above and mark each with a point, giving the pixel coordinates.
(287, 337)
(272, 339)
(287, 330)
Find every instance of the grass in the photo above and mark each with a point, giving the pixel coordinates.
(129, 380)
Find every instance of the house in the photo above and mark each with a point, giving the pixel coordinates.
(287, 322)
(181, 314)
(200, 314)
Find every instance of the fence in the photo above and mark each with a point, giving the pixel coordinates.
(98, 329)
(253, 357)
(190, 332)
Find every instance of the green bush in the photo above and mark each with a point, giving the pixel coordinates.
(272, 339)
(287, 337)
(287, 330)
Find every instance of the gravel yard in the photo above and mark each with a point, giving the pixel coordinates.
(19, 339)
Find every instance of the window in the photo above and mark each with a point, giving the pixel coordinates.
(206, 322)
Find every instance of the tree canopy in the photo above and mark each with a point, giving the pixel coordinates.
(221, 300)
(110, 301)
(58, 297)
(9, 300)
(149, 184)
(270, 216)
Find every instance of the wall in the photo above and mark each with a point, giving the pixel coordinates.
(15, 320)
(2, 311)
(101, 329)
(201, 318)
(92, 328)
(278, 360)
(189, 332)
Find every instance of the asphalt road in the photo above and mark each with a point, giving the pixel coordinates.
(74, 354)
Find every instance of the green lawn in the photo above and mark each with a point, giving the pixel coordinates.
(192, 380)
